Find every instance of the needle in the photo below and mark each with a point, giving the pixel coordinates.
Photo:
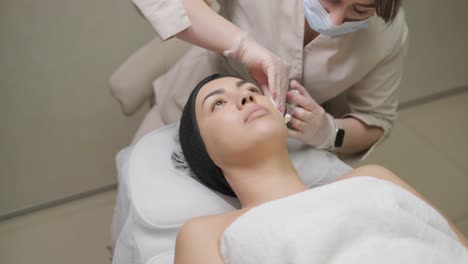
(289, 109)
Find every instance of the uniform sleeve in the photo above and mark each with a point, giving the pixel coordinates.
(373, 100)
(168, 17)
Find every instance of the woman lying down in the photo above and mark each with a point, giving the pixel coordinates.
(235, 142)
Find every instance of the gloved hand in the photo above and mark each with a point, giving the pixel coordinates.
(309, 122)
(270, 72)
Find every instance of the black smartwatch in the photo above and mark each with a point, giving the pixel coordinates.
(339, 136)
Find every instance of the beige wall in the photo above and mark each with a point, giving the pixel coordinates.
(59, 127)
(437, 58)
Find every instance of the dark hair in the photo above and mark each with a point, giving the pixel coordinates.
(387, 9)
(194, 149)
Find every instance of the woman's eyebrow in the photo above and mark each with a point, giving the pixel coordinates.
(217, 91)
(240, 83)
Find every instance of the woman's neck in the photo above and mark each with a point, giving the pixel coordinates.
(264, 180)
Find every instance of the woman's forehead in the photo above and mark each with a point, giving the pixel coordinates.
(224, 82)
(217, 86)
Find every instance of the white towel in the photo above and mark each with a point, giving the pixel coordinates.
(360, 220)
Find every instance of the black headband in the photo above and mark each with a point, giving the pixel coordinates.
(194, 149)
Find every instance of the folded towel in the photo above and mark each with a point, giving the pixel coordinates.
(359, 220)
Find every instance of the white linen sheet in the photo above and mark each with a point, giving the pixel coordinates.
(359, 220)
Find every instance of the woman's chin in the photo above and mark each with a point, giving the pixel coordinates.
(268, 130)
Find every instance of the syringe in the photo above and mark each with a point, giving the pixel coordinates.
(289, 110)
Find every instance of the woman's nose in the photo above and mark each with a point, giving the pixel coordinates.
(337, 16)
(246, 99)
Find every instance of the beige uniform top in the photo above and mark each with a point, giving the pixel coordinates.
(360, 71)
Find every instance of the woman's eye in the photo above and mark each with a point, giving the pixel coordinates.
(359, 12)
(217, 103)
(254, 90)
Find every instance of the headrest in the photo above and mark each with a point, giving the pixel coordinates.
(166, 196)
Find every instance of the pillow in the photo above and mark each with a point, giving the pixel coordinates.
(163, 197)
(132, 83)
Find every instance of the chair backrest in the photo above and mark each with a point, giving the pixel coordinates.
(132, 83)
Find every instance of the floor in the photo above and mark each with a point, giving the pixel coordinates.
(77, 232)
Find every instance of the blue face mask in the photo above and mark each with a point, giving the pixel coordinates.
(320, 21)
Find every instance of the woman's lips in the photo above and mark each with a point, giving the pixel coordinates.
(255, 112)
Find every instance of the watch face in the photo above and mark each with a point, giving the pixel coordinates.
(339, 138)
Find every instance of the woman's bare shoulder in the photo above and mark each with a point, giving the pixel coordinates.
(375, 171)
(383, 173)
(214, 223)
(198, 239)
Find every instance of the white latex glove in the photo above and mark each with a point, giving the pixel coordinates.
(270, 72)
(309, 122)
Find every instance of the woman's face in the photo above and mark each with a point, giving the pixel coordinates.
(341, 11)
(236, 120)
